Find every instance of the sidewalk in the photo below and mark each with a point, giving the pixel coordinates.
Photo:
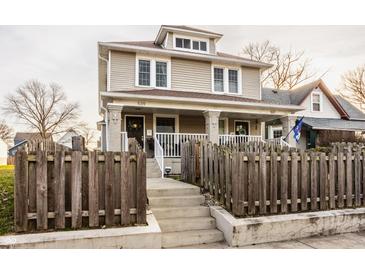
(341, 241)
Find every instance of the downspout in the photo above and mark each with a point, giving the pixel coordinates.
(101, 105)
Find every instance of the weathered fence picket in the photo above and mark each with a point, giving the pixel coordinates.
(259, 180)
(79, 189)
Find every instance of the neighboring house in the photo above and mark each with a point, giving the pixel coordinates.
(179, 87)
(22, 138)
(327, 117)
(3, 152)
(66, 139)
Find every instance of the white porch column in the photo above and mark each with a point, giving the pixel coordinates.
(212, 125)
(288, 123)
(114, 127)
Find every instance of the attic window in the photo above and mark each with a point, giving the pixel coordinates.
(183, 43)
(191, 44)
(316, 102)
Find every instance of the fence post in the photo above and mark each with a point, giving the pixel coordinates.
(78, 143)
(59, 173)
(76, 218)
(21, 191)
(41, 177)
(93, 189)
(141, 187)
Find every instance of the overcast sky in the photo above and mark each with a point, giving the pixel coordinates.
(68, 55)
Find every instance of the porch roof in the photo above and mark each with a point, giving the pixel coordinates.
(334, 124)
(222, 99)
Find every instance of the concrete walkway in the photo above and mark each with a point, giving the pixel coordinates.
(340, 241)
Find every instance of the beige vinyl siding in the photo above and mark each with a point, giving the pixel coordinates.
(190, 75)
(170, 42)
(102, 75)
(191, 124)
(212, 46)
(122, 71)
(251, 83)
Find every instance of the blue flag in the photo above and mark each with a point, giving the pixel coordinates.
(297, 129)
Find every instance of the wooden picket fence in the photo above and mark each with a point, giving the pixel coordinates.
(276, 182)
(62, 189)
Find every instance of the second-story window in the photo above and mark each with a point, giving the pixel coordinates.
(218, 80)
(233, 81)
(161, 74)
(144, 70)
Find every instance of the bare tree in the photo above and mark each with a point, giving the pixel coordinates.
(353, 86)
(43, 108)
(6, 132)
(289, 69)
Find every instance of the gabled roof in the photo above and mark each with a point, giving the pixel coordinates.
(298, 95)
(29, 136)
(353, 112)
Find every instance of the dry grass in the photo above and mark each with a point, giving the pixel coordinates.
(6, 199)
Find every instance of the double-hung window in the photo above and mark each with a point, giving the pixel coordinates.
(316, 102)
(226, 80)
(153, 72)
(161, 74)
(233, 81)
(144, 73)
(218, 79)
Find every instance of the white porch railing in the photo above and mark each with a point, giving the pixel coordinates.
(171, 142)
(238, 139)
(159, 157)
(278, 141)
(124, 141)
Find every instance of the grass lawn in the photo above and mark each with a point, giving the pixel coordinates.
(6, 199)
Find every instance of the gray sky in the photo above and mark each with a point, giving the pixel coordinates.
(68, 54)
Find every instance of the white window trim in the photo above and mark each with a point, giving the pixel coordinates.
(272, 128)
(320, 101)
(191, 38)
(177, 121)
(153, 61)
(225, 125)
(246, 121)
(226, 80)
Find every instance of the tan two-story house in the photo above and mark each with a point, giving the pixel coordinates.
(179, 87)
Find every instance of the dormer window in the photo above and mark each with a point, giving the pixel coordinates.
(191, 44)
(183, 43)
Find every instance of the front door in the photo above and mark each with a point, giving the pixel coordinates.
(241, 128)
(135, 128)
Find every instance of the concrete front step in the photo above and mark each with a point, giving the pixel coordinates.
(176, 201)
(164, 192)
(185, 224)
(193, 237)
(180, 212)
(153, 174)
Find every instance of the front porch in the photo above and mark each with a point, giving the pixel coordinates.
(161, 131)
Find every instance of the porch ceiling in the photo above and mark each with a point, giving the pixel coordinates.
(189, 112)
